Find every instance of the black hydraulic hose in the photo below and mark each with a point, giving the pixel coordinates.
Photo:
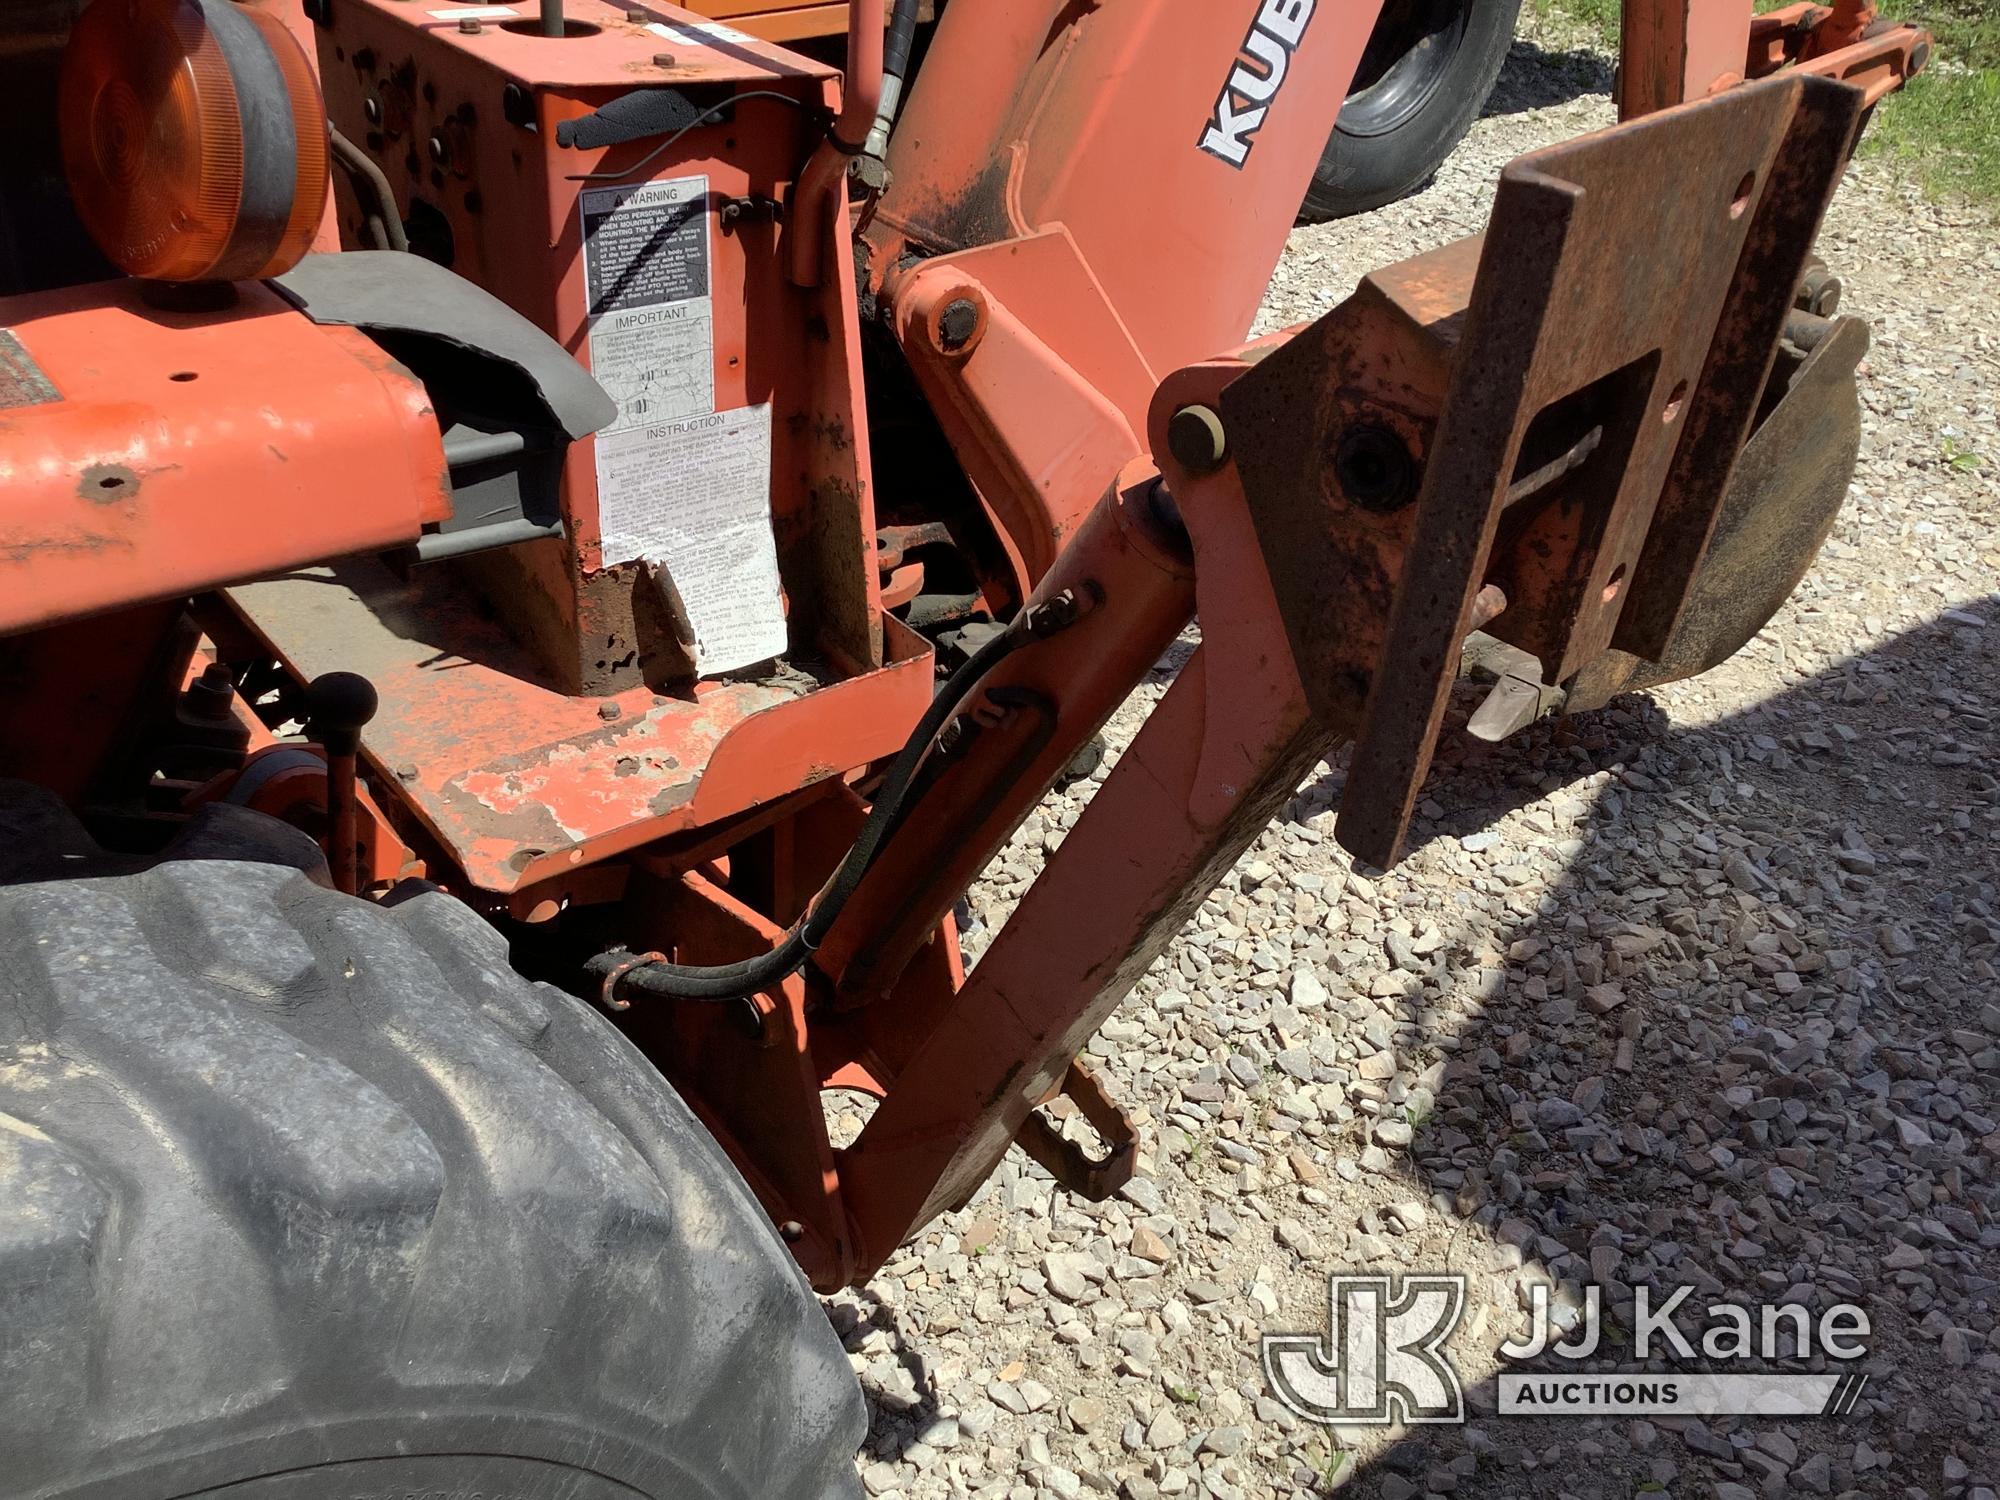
(669, 981)
(902, 36)
(896, 46)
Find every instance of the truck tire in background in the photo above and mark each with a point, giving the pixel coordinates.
(1428, 69)
(304, 1196)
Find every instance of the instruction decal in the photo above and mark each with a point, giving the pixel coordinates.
(678, 482)
(695, 495)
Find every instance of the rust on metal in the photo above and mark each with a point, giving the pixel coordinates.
(108, 484)
(505, 760)
(1092, 1178)
(1779, 509)
(131, 488)
(1790, 202)
(1606, 385)
(1529, 434)
(1378, 363)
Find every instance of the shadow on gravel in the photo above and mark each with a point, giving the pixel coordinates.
(1535, 78)
(1745, 1041)
(1708, 1003)
(874, 1329)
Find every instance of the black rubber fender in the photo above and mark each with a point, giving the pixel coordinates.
(308, 1196)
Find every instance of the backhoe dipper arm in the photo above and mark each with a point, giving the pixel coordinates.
(1531, 433)
(1219, 755)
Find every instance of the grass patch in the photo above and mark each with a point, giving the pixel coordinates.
(1600, 16)
(1943, 129)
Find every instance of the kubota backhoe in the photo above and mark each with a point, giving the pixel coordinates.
(498, 710)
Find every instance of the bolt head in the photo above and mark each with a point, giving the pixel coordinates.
(608, 711)
(470, 26)
(440, 150)
(1197, 440)
(371, 110)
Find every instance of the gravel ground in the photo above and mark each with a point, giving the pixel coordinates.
(1700, 989)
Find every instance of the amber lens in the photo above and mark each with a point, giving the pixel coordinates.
(309, 129)
(153, 139)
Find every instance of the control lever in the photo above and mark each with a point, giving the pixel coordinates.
(338, 706)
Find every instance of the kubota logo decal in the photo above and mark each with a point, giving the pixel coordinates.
(1255, 80)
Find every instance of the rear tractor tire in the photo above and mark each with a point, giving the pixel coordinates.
(1423, 79)
(306, 1197)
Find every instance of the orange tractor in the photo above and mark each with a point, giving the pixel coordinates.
(497, 711)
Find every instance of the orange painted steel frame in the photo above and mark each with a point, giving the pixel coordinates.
(531, 756)
(1083, 273)
(791, 22)
(1037, 136)
(396, 81)
(1672, 51)
(1266, 693)
(1048, 181)
(177, 448)
(524, 786)
(147, 453)
(1042, 137)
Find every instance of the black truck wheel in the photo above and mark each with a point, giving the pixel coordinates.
(305, 1197)
(1425, 75)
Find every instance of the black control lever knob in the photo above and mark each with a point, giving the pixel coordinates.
(338, 706)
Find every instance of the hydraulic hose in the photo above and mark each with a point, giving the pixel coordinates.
(896, 49)
(663, 980)
(902, 36)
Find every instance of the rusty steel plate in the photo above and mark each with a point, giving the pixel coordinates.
(1631, 288)
(518, 781)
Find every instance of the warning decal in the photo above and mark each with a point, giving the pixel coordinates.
(652, 325)
(697, 33)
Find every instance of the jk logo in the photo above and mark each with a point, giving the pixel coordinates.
(1382, 1359)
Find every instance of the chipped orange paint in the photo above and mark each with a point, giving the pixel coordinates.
(188, 447)
(520, 782)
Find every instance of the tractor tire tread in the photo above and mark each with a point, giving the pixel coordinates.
(292, 1183)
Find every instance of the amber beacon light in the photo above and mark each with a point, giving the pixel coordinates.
(194, 138)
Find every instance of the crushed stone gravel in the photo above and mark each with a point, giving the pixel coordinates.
(1700, 989)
